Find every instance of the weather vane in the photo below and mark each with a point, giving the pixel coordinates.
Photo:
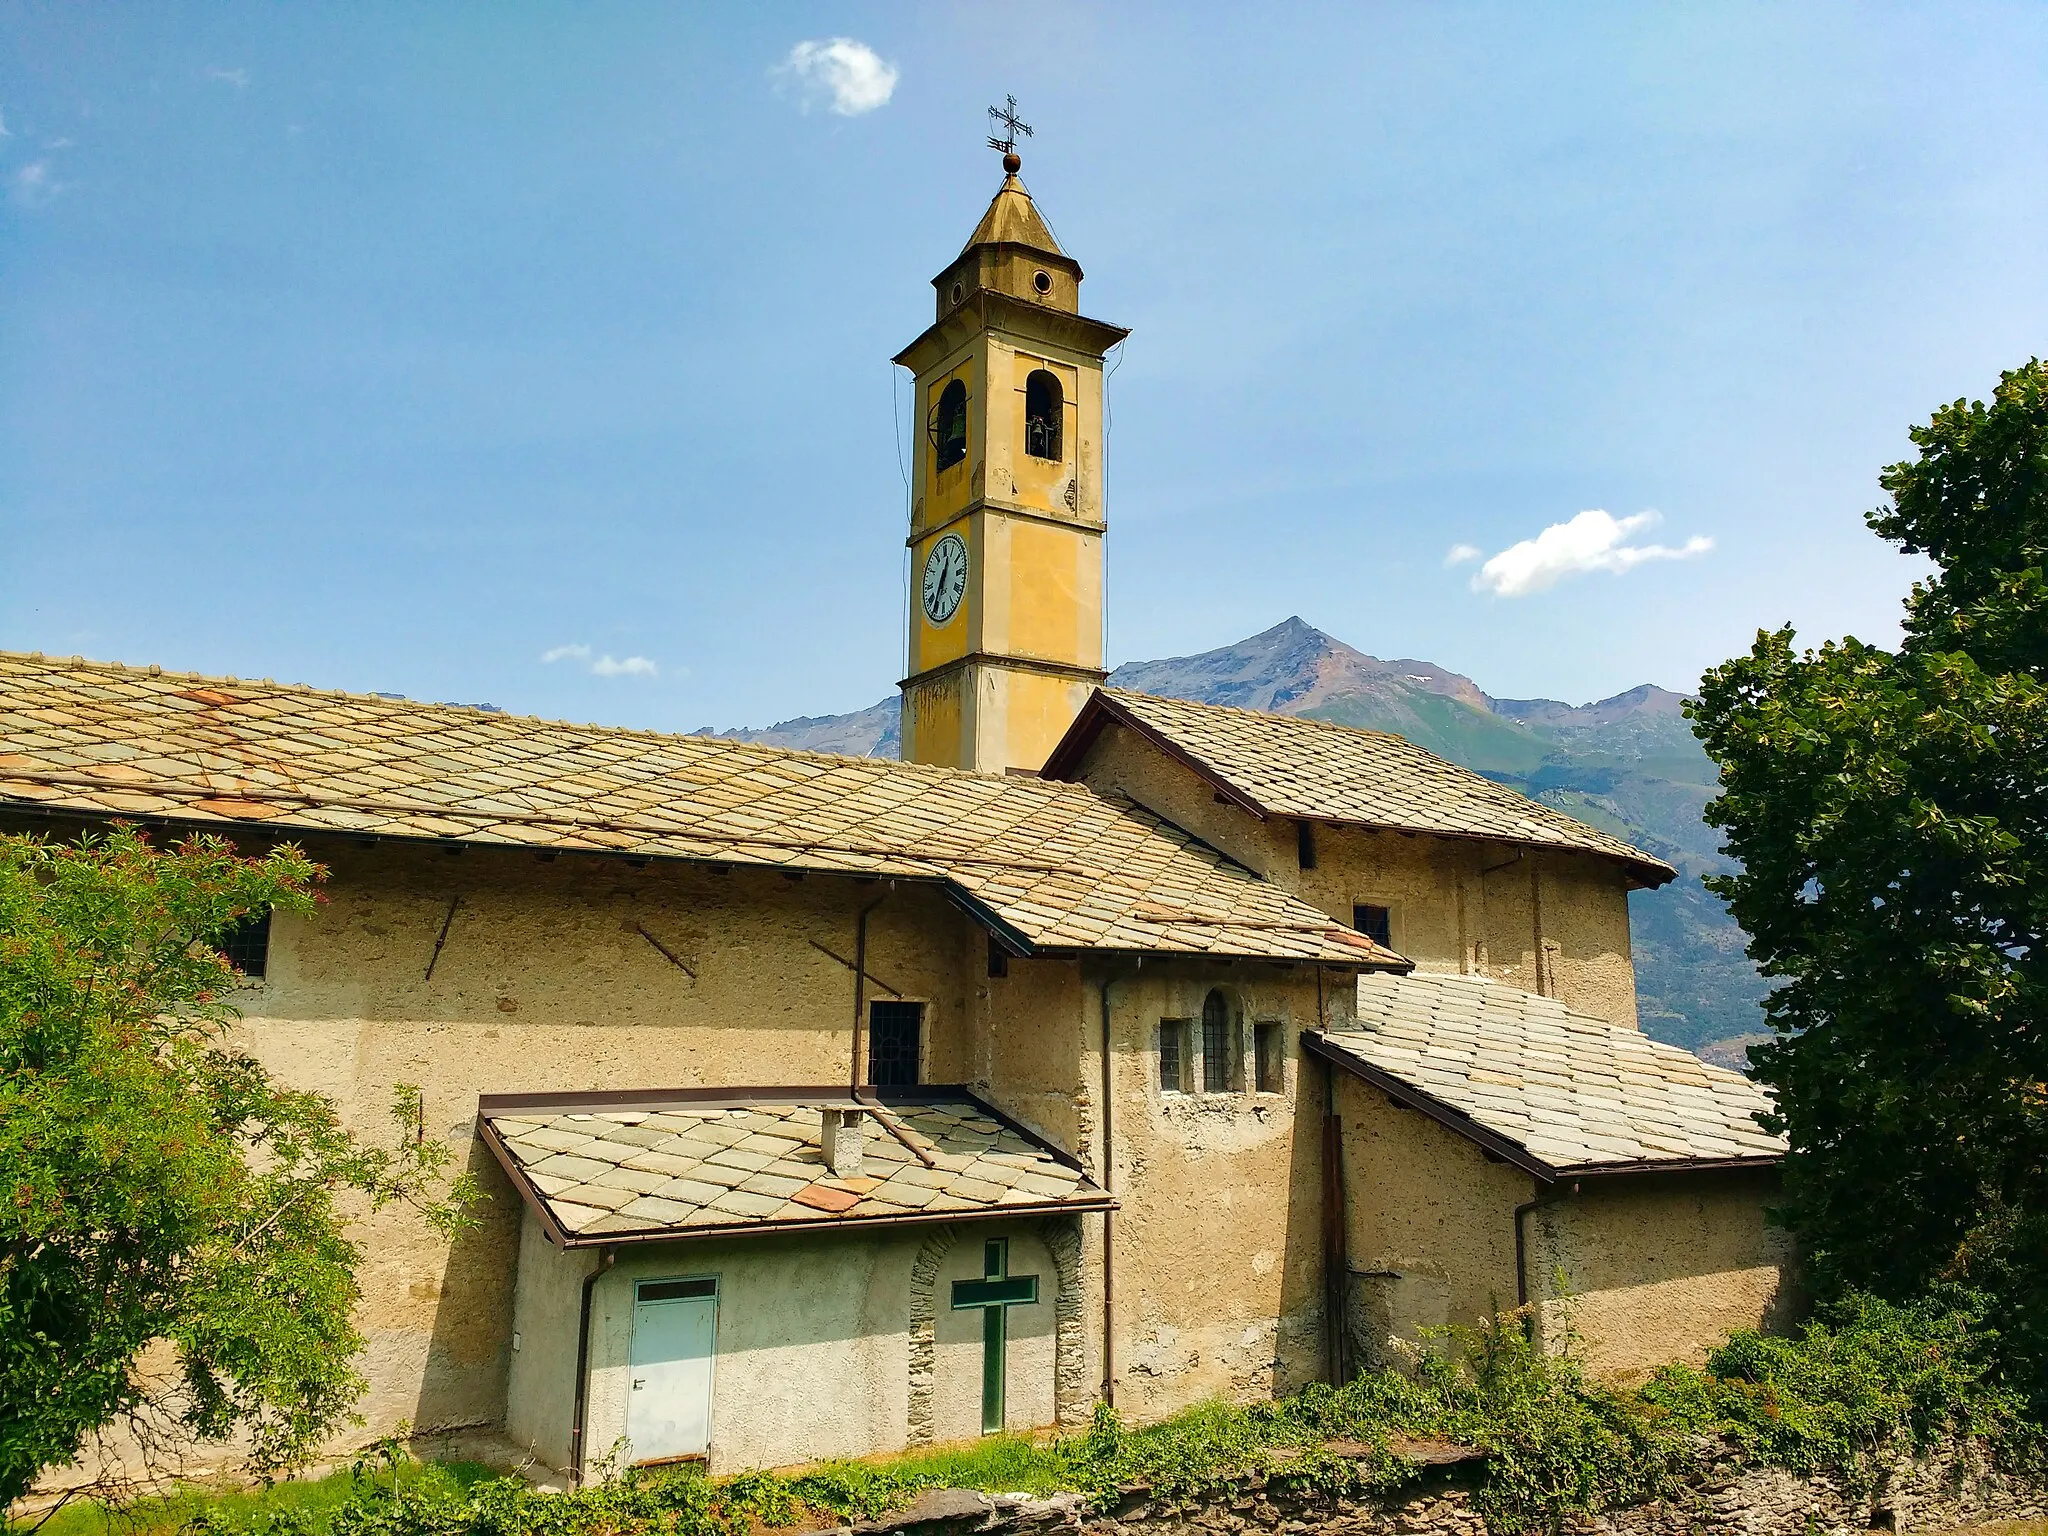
(1006, 118)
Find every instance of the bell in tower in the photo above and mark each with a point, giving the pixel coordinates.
(1006, 518)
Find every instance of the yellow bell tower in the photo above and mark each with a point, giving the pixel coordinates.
(1006, 516)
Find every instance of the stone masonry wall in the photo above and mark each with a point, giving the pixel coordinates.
(1933, 1493)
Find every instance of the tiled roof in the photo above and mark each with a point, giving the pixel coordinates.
(699, 1165)
(1556, 1091)
(1283, 765)
(1055, 865)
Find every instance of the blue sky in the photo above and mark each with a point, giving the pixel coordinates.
(398, 347)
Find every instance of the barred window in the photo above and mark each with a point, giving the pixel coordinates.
(247, 945)
(1173, 1055)
(895, 1031)
(1219, 1045)
(1376, 923)
(1269, 1057)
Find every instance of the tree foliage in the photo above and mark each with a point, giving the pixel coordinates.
(1890, 811)
(172, 1255)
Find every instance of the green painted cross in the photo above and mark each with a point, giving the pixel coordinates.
(994, 1293)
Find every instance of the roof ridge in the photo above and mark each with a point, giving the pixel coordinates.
(1274, 714)
(472, 711)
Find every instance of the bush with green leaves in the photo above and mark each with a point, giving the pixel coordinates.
(158, 1186)
(1868, 1380)
(1890, 812)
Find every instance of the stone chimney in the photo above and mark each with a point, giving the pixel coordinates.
(841, 1136)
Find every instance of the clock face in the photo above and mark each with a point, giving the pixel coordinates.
(945, 579)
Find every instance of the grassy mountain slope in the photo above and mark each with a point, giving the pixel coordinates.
(1628, 765)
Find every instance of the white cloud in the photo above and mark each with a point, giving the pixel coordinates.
(238, 78)
(1592, 541)
(1460, 554)
(848, 76)
(33, 183)
(606, 665)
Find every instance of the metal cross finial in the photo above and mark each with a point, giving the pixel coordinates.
(1006, 118)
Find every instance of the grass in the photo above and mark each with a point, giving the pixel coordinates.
(1865, 1381)
(313, 1500)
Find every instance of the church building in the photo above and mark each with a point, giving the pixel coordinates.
(1106, 1048)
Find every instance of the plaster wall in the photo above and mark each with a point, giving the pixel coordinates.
(540, 1390)
(813, 1343)
(1429, 1225)
(1217, 1243)
(1548, 921)
(545, 983)
(1629, 1272)
(1655, 1268)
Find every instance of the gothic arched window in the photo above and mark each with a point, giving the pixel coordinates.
(949, 425)
(1219, 1044)
(1044, 414)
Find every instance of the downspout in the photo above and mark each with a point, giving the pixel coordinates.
(1336, 1260)
(1108, 1216)
(860, 994)
(606, 1257)
(1537, 1198)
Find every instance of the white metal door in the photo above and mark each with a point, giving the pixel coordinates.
(675, 1330)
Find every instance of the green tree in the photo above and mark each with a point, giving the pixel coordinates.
(160, 1191)
(1890, 810)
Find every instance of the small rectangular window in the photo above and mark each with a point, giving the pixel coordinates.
(675, 1290)
(1270, 1057)
(1305, 844)
(998, 959)
(895, 1032)
(1376, 923)
(1173, 1055)
(247, 946)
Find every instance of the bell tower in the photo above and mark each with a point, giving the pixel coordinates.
(1006, 519)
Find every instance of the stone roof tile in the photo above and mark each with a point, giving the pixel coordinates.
(983, 1165)
(1624, 1099)
(1062, 867)
(1316, 770)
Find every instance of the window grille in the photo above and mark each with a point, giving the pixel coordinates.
(1218, 1045)
(1269, 1057)
(247, 946)
(1173, 1055)
(1376, 923)
(894, 1033)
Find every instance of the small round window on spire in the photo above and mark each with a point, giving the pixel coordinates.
(959, 292)
(1042, 281)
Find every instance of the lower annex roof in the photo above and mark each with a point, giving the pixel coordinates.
(1050, 866)
(657, 1165)
(1558, 1093)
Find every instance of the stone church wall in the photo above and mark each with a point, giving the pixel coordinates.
(1659, 1267)
(545, 982)
(1635, 1271)
(1547, 921)
(1218, 1247)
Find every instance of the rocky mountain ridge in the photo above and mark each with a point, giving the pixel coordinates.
(1628, 765)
